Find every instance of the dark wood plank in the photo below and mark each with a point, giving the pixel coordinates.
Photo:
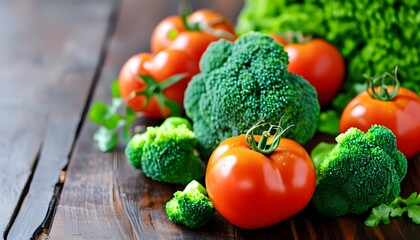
(105, 198)
(49, 54)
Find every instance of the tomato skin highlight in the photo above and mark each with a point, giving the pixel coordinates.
(401, 115)
(160, 66)
(252, 190)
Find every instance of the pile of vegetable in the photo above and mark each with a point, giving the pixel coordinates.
(219, 95)
(374, 37)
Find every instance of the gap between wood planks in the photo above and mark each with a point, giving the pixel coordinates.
(42, 232)
(24, 193)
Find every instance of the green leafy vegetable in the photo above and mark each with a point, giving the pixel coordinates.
(373, 36)
(396, 208)
(329, 122)
(110, 120)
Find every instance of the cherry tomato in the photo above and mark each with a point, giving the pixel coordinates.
(203, 27)
(319, 62)
(158, 68)
(253, 190)
(401, 115)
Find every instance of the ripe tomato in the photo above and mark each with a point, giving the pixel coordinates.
(252, 190)
(215, 21)
(320, 63)
(165, 32)
(158, 68)
(203, 27)
(193, 42)
(401, 115)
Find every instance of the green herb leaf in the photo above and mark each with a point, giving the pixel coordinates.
(397, 212)
(110, 119)
(105, 139)
(98, 112)
(379, 214)
(320, 152)
(396, 208)
(329, 122)
(413, 212)
(115, 90)
(413, 199)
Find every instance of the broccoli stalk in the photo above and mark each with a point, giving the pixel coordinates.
(361, 171)
(167, 153)
(191, 207)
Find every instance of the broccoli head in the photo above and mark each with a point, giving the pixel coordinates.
(167, 153)
(361, 171)
(191, 207)
(240, 82)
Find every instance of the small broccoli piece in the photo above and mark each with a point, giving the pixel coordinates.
(361, 171)
(167, 153)
(240, 82)
(190, 207)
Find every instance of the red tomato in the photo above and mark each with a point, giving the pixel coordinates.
(401, 115)
(252, 190)
(214, 20)
(204, 27)
(164, 32)
(320, 63)
(160, 67)
(193, 42)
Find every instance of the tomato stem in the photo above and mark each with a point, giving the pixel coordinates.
(263, 146)
(383, 92)
(295, 37)
(156, 89)
(185, 9)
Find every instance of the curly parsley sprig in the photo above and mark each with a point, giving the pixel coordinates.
(396, 208)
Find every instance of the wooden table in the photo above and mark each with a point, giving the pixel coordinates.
(56, 59)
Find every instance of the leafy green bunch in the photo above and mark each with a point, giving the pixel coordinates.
(373, 36)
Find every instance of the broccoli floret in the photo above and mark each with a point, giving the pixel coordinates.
(191, 207)
(361, 171)
(240, 82)
(167, 153)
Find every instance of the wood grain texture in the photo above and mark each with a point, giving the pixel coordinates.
(49, 54)
(105, 198)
